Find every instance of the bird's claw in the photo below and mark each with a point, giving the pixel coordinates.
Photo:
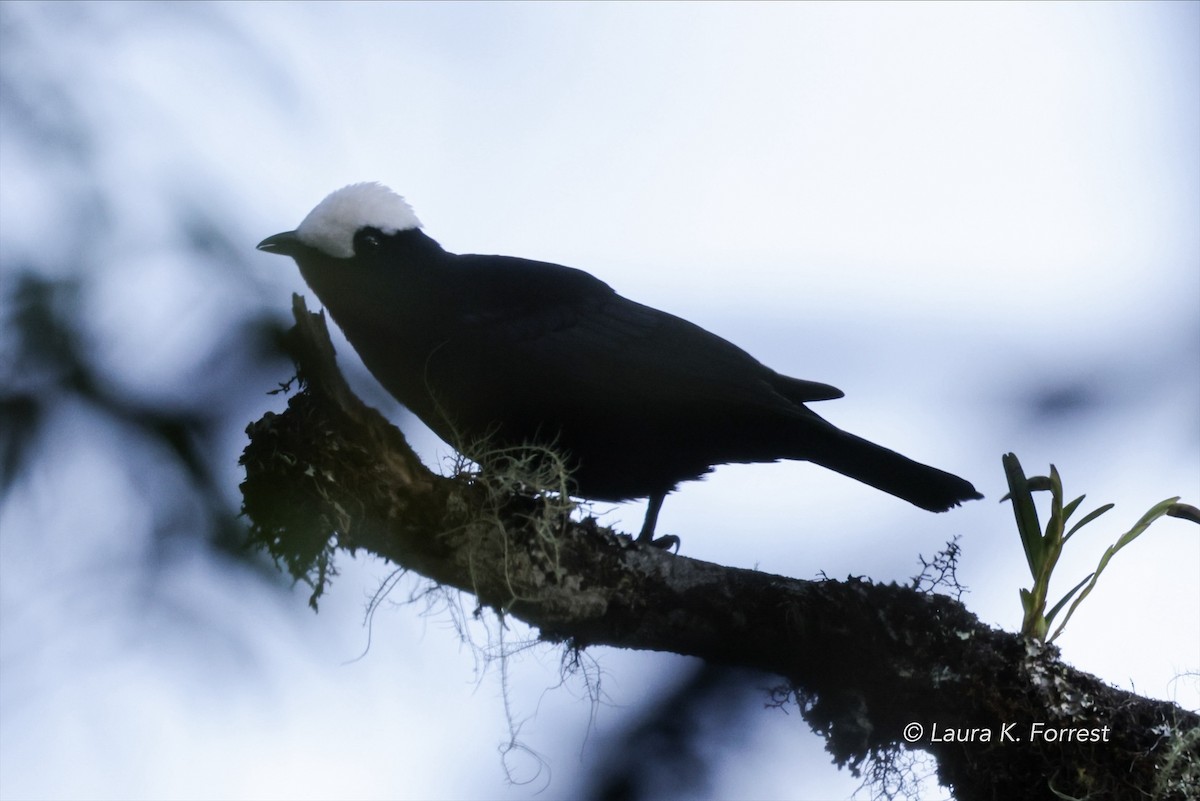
(666, 542)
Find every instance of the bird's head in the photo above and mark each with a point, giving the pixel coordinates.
(344, 223)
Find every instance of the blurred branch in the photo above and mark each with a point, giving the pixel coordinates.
(864, 661)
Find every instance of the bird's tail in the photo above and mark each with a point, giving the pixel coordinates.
(919, 484)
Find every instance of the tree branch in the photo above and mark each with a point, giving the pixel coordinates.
(864, 660)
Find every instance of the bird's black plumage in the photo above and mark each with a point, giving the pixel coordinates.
(504, 351)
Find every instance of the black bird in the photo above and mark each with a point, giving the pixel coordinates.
(508, 352)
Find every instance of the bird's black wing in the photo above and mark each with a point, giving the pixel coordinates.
(529, 331)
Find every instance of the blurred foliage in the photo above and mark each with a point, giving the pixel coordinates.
(49, 363)
(181, 414)
(670, 750)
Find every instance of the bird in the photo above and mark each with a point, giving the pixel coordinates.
(495, 352)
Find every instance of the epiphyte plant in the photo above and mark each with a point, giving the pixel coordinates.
(1043, 548)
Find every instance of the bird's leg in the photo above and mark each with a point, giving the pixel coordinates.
(647, 534)
(656, 502)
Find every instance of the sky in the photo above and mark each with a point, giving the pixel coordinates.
(978, 220)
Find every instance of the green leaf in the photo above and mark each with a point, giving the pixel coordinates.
(1070, 508)
(1054, 526)
(1155, 512)
(1055, 483)
(1041, 483)
(1026, 599)
(1025, 512)
(1185, 511)
(1092, 515)
(1058, 606)
(1032, 623)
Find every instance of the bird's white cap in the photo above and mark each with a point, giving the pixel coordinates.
(330, 227)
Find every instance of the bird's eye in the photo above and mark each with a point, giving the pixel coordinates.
(368, 242)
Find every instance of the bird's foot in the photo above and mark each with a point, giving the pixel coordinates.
(665, 542)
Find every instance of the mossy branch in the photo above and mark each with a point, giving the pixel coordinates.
(864, 660)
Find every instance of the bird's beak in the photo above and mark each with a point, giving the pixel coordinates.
(285, 244)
